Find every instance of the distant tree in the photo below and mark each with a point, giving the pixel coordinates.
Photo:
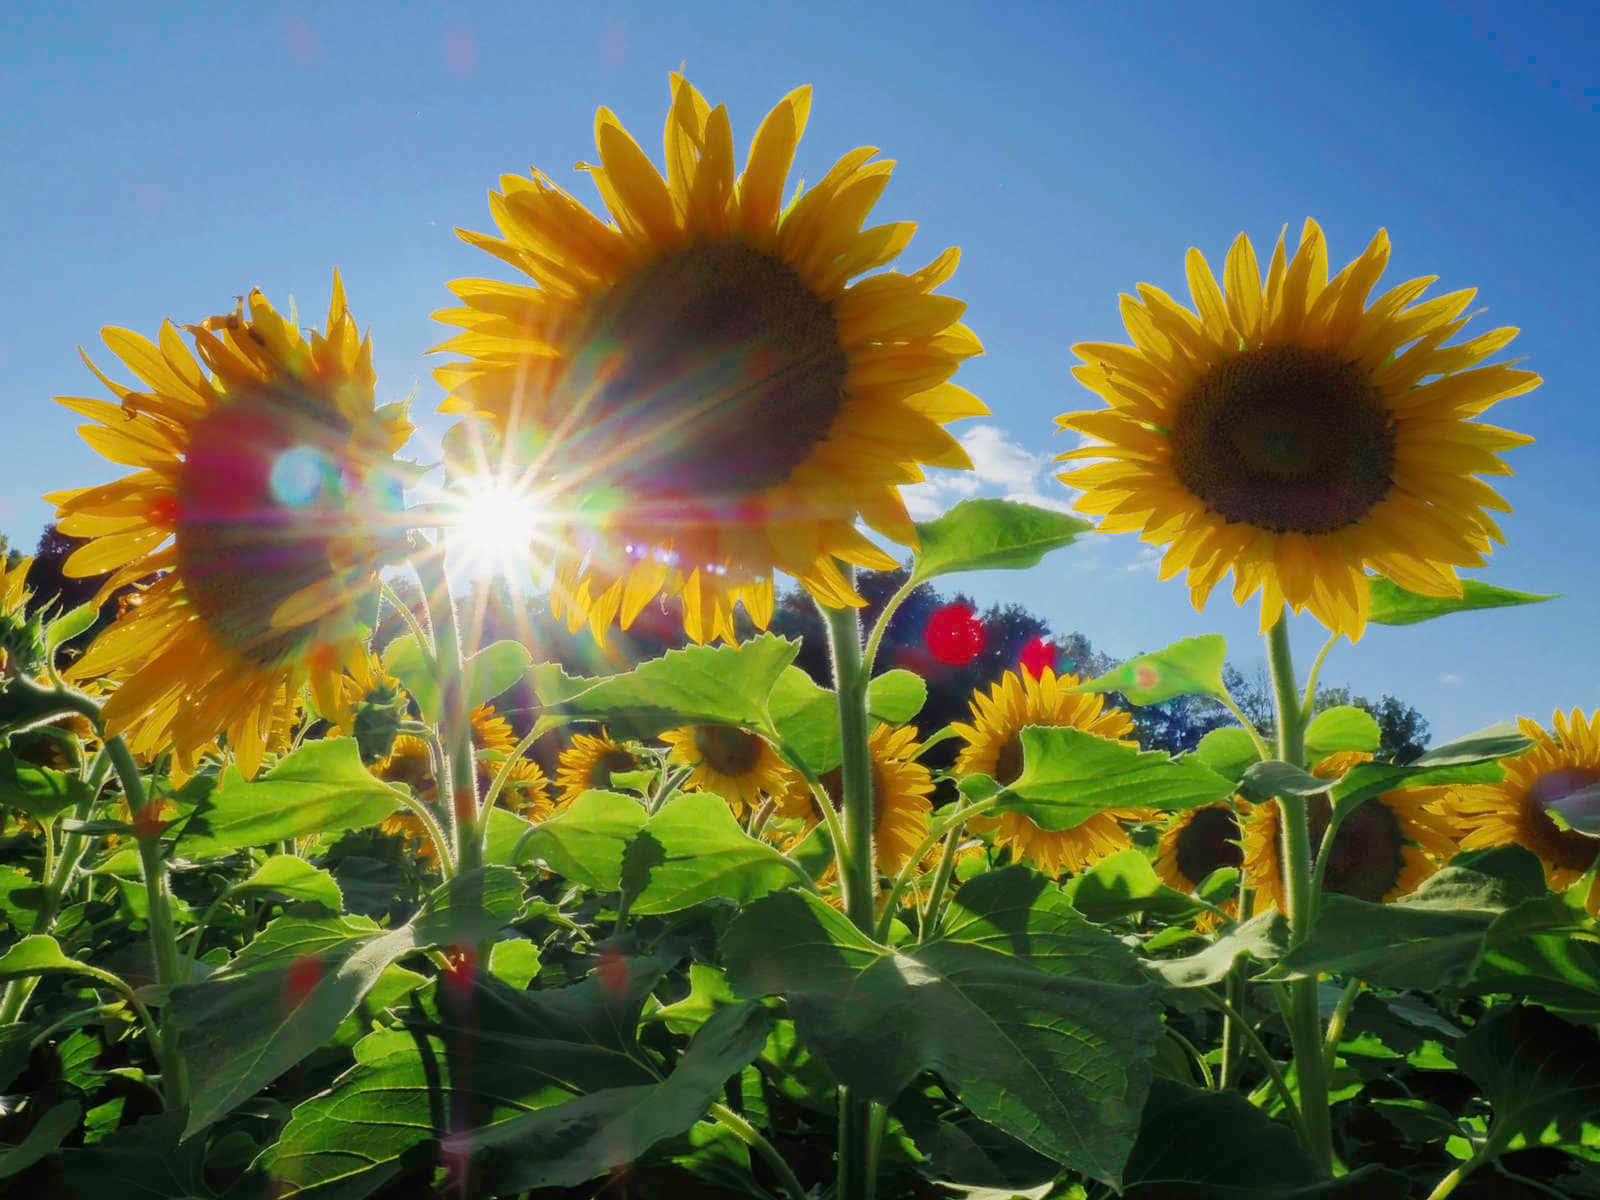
(48, 582)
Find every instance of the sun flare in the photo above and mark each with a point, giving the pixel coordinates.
(496, 524)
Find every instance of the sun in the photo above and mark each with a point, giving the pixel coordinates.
(495, 528)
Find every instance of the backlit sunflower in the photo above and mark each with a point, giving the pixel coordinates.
(1196, 843)
(1384, 849)
(901, 788)
(699, 381)
(994, 748)
(1515, 811)
(1296, 435)
(17, 642)
(740, 767)
(258, 495)
(589, 762)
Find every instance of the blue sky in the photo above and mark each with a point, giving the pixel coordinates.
(162, 165)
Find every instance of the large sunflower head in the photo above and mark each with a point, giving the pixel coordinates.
(1516, 810)
(901, 791)
(739, 766)
(1384, 849)
(994, 748)
(1295, 435)
(262, 493)
(1196, 843)
(589, 763)
(698, 382)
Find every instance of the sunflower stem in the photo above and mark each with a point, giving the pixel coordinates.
(1232, 1037)
(751, 1136)
(460, 782)
(941, 881)
(1305, 1024)
(1309, 700)
(163, 940)
(869, 657)
(856, 868)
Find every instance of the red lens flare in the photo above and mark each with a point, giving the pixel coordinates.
(955, 635)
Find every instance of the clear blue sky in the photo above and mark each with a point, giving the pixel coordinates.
(158, 166)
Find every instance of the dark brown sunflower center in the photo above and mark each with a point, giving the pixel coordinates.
(733, 752)
(716, 368)
(261, 496)
(1008, 763)
(1286, 439)
(1208, 842)
(612, 762)
(1367, 857)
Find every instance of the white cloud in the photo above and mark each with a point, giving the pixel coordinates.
(1451, 678)
(1002, 466)
(1148, 561)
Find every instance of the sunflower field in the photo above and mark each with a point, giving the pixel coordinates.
(291, 910)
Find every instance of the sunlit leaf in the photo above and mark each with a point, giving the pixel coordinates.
(1394, 605)
(1230, 752)
(585, 840)
(408, 661)
(286, 875)
(1340, 728)
(1192, 667)
(1123, 884)
(693, 850)
(986, 535)
(494, 669)
(806, 716)
(41, 792)
(68, 626)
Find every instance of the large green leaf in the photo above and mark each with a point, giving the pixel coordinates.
(1069, 775)
(1394, 605)
(44, 1138)
(289, 990)
(40, 792)
(693, 850)
(142, 1161)
(68, 626)
(806, 716)
(1340, 728)
(320, 788)
(700, 685)
(1123, 884)
(1540, 1074)
(1192, 667)
(494, 669)
(488, 1056)
(585, 840)
(287, 875)
(1263, 937)
(408, 661)
(985, 535)
(1229, 751)
(1030, 1014)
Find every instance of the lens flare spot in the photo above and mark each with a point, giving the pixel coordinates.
(955, 635)
(1036, 655)
(300, 476)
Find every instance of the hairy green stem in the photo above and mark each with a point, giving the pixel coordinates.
(459, 784)
(1309, 700)
(869, 656)
(938, 830)
(424, 642)
(1227, 1071)
(1227, 702)
(752, 1137)
(1305, 1024)
(1194, 1053)
(941, 881)
(1336, 1023)
(1263, 1056)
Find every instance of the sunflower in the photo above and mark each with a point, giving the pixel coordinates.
(1196, 843)
(739, 766)
(1286, 432)
(1516, 810)
(256, 498)
(1384, 849)
(18, 644)
(901, 791)
(589, 763)
(994, 748)
(700, 381)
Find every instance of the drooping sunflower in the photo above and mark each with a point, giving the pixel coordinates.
(901, 791)
(589, 762)
(739, 766)
(994, 748)
(1515, 811)
(1384, 849)
(1296, 435)
(262, 495)
(1196, 843)
(698, 382)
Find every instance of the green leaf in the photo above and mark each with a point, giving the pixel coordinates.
(708, 991)
(565, 1145)
(585, 840)
(693, 850)
(409, 662)
(503, 836)
(1263, 937)
(1275, 777)
(1025, 1010)
(68, 626)
(987, 535)
(295, 878)
(1540, 1074)
(44, 1138)
(1069, 775)
(896, 696)
(321, 788)
(288, 991)
(515, 961)
(1340, 728)
(806, 717)
(40, 792)
(494, 669)
(1192, 667)
(700, 685)
(1394, 605)
(40, 954)
(1230, 752)
(1123, 884)
(142, 1161)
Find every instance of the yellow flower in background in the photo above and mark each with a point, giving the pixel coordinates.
(994, 748)
(1385, 848)
(261, 493)
(1196, 843)
(589, 763)
(1296, 435)
(13, 586)
(740, 767)
(1515, 811)
(700, 377)
(901, 800)
(13, 604)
